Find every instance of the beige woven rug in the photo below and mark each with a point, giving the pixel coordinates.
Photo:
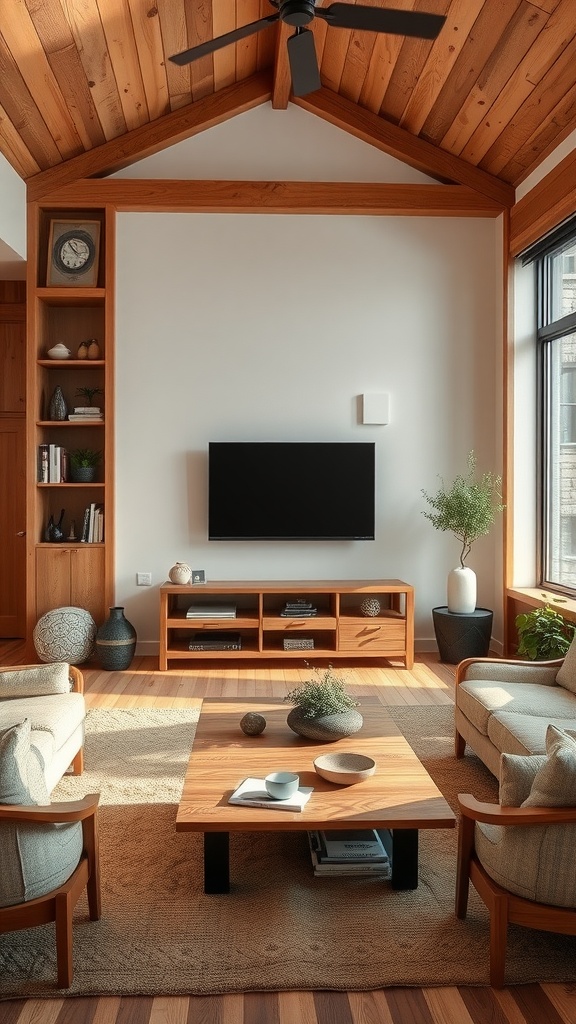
(280, 928)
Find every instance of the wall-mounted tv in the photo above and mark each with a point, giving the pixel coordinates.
(291, 490)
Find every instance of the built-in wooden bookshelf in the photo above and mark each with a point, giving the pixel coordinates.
(71, 572)
(338, 629)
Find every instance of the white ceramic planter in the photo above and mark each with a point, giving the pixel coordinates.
(461, 590)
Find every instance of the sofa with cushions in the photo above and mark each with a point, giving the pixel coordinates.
(51, 698)
(506, 706)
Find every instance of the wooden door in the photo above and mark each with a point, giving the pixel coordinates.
(12, 459)
(87, 581)
(12, 527)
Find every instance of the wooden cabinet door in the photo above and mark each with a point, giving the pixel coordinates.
(52, 579)
(12, 527)
(87, 581)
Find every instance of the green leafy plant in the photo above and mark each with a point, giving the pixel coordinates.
(88, 393)
(543, 634)
(468, 507)
(322, 695)
(85, 457)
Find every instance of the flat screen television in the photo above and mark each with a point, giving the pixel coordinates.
(291, 490)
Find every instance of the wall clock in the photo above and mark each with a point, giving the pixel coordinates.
(73, 253)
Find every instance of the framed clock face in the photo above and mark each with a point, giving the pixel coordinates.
(73, 253)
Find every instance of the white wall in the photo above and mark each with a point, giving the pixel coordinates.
(270, 327)
(12, 222)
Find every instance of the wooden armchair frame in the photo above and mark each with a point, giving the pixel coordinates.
(59, 904)
(78, 686)
(505, 907)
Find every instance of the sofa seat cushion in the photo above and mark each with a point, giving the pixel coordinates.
(479, 699)
(57, 714)
(36, 858)
(523, 734)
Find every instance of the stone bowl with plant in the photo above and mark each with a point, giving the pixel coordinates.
(323, 710)
(467, 508)
(84, 463)
(543, 634)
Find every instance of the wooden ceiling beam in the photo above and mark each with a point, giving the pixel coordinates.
(397, 142)
(150, 138)
(290, 197)
(550, 202)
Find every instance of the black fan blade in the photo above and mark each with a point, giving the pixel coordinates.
(382, 19)
(211, 45)
(303, 63)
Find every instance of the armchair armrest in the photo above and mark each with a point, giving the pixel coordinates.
(508, 670)
(494, 814)
(77, 679)
(72, 810)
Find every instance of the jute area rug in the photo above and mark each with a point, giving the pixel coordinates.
(280, 928)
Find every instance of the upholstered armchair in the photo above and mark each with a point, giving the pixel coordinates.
(48, 852)
(519, 854)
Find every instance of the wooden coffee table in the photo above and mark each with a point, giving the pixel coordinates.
(400, 796)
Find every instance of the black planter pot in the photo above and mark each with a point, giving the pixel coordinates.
(116, 642)
(462, 635)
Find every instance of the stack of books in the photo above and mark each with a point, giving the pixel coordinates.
(52, 464)
(252, 793)
(211, 611)
(300, 609)
(93, 524)
(86, 412)
(355, 852)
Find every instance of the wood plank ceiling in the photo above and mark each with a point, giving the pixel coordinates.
(86, 84)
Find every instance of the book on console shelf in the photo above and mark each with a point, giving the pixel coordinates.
(212, 640)
(252, 793)
(211, 611)
(380, 868)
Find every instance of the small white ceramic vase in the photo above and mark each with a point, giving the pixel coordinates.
(180, 573)
(462, 590)
(59, 351)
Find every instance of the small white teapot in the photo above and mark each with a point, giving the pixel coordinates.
(59, 351)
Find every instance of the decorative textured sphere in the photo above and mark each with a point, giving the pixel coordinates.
(253, 724)
(65, 634)
(370, 606)
(180, 573)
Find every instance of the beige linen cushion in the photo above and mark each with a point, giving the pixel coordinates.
(566, 675)
(555, 782)
(517, 773)
(36, 858)
(35, 680)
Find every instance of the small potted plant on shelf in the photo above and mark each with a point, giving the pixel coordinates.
(467, 508)
(83, 465)
(323, 710)
(88, 394)
(543, 634)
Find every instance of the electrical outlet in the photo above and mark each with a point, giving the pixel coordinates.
(143, 579)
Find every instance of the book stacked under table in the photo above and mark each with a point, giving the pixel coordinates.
(351, 852)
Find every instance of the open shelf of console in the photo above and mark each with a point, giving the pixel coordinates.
(253, 621)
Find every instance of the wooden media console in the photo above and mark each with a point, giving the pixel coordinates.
(338, 629)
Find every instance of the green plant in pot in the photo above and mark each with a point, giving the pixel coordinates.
(323, 710)
(467, 508)
(84, 463)
(543, 634)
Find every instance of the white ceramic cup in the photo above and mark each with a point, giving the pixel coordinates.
(281, 785)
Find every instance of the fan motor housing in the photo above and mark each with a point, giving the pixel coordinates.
(296, 12)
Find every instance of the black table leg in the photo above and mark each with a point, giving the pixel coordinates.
(405, 858)
(216, 862)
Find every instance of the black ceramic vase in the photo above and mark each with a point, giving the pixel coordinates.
(58, 409)
(115, 641)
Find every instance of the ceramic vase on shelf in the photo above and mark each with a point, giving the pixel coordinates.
(115, 642)
(93, 349)
(461, 590)
(58, 408)
(180, 573)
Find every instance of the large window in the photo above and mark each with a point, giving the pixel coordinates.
(556, 276)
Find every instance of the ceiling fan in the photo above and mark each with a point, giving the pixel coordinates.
(301, 49)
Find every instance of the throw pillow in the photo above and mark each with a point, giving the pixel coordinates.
(566, 674)
(35, 680)
(21, 768)
(555, 782)
(517, 773)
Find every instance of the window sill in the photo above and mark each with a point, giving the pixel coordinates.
(537, 597)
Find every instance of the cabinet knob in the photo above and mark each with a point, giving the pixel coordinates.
(21, 533)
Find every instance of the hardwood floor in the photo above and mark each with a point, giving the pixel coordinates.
(428, 683)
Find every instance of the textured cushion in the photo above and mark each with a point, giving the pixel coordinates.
(566, 675)
(523, 734)
(36, 858)
(517, 774)
(57, 714)
(35, 680)
(534, 862)
(555, 782)
(479, 699)
(512, 672)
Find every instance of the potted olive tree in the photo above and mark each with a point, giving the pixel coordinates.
(467, 508)
(323, 710)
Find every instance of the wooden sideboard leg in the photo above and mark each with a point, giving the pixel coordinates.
(216, 862)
